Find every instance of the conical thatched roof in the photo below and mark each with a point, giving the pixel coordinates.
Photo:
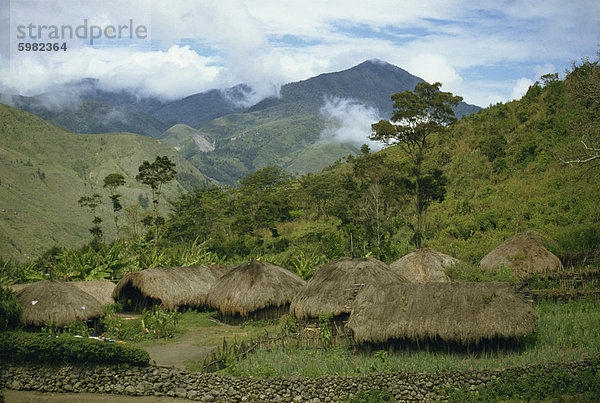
(253, 286)
(424, 266)
(525, 254)
(464, 313)
(57, 301)
(173, 287)
(334, 285)
(101, 290)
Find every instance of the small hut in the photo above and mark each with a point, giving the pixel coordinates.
(254, 290)
(441, 313)
(424, 266)
(525, 254)
(334, 286)
(101, 290)
(169, 287)
(57, 302)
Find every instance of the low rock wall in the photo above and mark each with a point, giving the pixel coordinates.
(158, 381)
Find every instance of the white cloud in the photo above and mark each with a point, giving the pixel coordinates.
(197, 45)
(546, 68)
(350, 121)
(520, 88)
(174, 73)
(435, 68)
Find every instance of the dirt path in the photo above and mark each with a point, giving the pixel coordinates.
(174, 354)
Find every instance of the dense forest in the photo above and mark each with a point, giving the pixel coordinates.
(526, 164)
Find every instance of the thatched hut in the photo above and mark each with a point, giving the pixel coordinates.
(57, 302)
(334, 286)
(169, 287)
(254, 290)
(101, 290)
(448, 313)
(525, 254)
(424, 265)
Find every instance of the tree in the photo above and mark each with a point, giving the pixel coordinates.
(417, 115)
(584, 85)
(92, 202)
(112, 182)
(155, 175)
(198, 215)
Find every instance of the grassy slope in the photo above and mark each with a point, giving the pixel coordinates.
(90, 116)
(250, 141)
(528, 188)
(46, 169)
(505, 176)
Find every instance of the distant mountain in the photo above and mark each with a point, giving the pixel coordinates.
(44, 170)
(87, 116)
(275, 131)
(187, 140)
(281, 131)
(200, 109)
(372, 82)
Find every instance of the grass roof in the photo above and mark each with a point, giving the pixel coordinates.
(333, 286)
(463, 313)
(424, 266)
(56, 301)
(174, 287)
(252, 286)
(525, 254)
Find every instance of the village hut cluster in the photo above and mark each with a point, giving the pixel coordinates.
(411, 301)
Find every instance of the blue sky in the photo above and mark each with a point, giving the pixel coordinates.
(486, 51)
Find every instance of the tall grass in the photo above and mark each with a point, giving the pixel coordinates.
(565, 332)
(106, 261)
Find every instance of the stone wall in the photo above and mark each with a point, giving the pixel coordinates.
(157, 381)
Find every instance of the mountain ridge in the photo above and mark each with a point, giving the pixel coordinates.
(273, 131)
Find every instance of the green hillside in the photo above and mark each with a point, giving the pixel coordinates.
(186, 139)
(90, 116)
(46, 169)
(502, 173)
(284, 131)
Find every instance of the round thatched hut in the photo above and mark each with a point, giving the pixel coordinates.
(169, 287)
(525, 254)
(424, 265)
(459, 313)
(254, 290)
(334, 286)
(61, 303)
(101, 290)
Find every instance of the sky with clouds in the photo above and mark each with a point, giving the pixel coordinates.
(485, 51)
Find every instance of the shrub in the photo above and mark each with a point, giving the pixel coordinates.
(18, 346)
(534, 386)
(465, 271)
(159, 322)
(374, 395)
(10, 310)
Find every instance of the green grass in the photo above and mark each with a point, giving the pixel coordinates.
(44, 170)
(565, 332)
(192, 318)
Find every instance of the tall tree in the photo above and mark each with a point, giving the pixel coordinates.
(113, 182)
(262, 201)
(584, 84)
(92, 202)
(155, 175)
(417, 115)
